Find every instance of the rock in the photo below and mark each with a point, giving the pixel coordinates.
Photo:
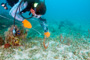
(89, 54)
(56, 57)
(1, 41)
(88, 58)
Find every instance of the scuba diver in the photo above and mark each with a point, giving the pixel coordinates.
(36, 8)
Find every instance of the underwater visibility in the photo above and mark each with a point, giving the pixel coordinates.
(44, 29)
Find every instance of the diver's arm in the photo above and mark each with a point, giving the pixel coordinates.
(12, 12)
(14, 8)
(43, 24)
(45, 27)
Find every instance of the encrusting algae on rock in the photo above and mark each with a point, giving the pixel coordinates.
(1, 41)
(11, 40)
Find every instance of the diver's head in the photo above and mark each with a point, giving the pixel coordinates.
(40, 9)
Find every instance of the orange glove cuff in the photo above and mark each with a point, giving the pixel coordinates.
(25, 21)
(26, 24)
(47, 34)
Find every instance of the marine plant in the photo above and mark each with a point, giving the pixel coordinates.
(15, 40)
(1, 41)
(44, 44)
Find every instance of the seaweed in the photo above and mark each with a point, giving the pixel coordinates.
(61, 24)
(44, 44)
(1, 41)
(16, 40)
(88, 33)
(7, 45)
(65, 40)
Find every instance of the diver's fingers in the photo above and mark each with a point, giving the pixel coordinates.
(3, 4)
(5, 8)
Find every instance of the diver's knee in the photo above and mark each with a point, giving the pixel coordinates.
(9, 12)
(12, 14)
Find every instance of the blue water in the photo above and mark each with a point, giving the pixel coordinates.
(68, 9)
(76, 11)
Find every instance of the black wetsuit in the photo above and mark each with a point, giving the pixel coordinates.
(30, 4)
(12, 2)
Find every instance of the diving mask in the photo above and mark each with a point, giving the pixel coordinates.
(35, 5)
(33, 11)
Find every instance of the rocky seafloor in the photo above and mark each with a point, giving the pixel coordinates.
(66, 42)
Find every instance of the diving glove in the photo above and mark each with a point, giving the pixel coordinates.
(26, 24)
(47, 34)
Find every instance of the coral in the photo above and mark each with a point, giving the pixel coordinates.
(61, 24)
(61, 38)
(17, 39)
(56, 57)
(88, 33)
(88, 54)
(44, 44)
(7, 45)
(1, 41)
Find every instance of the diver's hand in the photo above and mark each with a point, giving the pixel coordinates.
(26, 24)
(32, 11)
(47, 34)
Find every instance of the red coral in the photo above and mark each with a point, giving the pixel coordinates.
(44, 44)
(16, 44)
(7, 45)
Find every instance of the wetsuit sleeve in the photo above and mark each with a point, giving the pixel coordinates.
(14, 8)
(43, 23)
